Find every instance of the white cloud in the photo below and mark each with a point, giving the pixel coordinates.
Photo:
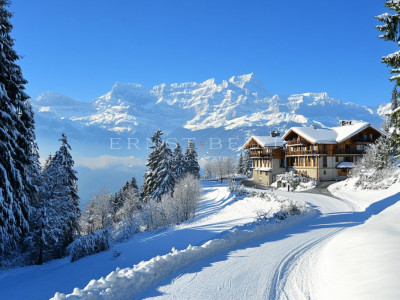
(109, 161)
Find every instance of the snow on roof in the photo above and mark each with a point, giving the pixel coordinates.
(331, 135)
(345, 165)
(263, 169)
(267, 141)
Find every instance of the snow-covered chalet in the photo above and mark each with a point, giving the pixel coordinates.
(268, 157)
(319, 153)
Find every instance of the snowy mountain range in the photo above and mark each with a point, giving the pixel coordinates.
(210, 112)
(241, 103)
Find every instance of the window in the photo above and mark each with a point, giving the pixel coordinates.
(324, 161)
(324, 172)
(337, 158)
(347, 149)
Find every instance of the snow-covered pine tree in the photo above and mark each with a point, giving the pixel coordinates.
(240, 168)
(16, 142)
(133, 184)
(149, 183)
(132, 203)
(45, 221)
(246, 162)
(391, 32)
(116, 202)
(178, 163)
(192, 165)
(164, 179)
(65, 191)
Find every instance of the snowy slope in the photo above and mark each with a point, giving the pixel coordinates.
(362, 262)
(351, 244)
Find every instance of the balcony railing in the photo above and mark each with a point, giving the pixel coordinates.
(254, 154)
(363, 140)
(349, 151)
(305, 152)
(297, 142)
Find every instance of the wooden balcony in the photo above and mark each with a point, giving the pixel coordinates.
(259, 154)
(363, 140)
(349, 151)
(297, 142)
(305, 152)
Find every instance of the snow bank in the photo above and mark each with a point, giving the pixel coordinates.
(129, 282)
(359, 197)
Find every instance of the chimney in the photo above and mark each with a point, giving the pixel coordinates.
(274, 133)
(345, 122)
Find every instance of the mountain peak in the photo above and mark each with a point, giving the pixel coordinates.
(130, 92)
(56, 99)
(242, 79)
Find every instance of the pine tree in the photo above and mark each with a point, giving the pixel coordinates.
(240, 167)
(164, 179)
(121, 197)
(133, 184)
(391, 32)
(45, 222)
(246, 162)
(16, 142)
(149, 184)
(394, 120)
(116, 202)
(178, 163)
(61, 187)
(192, 165)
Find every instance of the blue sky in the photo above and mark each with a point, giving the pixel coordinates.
(81, 47)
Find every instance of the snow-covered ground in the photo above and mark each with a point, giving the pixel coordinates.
(347, 250)
(219, 212)
(363, 262)
(279, 265)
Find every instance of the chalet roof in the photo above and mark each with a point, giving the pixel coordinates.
(266, 141)
(331, 135)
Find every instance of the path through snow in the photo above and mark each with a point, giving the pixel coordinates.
(279, 266)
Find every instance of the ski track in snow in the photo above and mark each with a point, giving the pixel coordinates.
(278, 266)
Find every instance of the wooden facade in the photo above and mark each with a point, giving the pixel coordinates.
(320, 160)
(267, 160)
(311, 153)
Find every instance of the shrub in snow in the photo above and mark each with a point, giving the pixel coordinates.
(126, 229)
(379, 167)
(97, 213)
(95, 242)
(176, 208)
(263, 215)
